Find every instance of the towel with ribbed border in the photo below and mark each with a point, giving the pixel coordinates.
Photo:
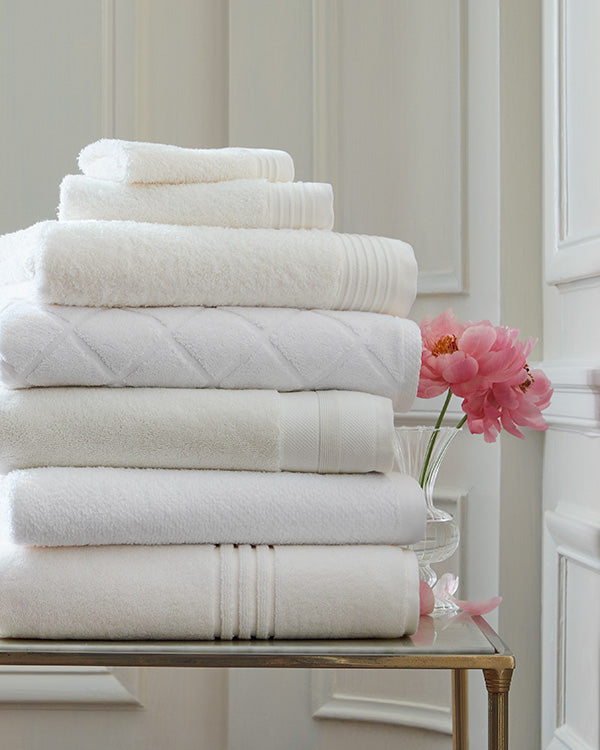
(130, 264)
(233, 203)
(207, 592)
(135, 161)
(62, 506)
(204, 347)
(181, 428)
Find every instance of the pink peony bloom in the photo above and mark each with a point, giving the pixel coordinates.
(506, 406)
(486, 366)
(443, 362)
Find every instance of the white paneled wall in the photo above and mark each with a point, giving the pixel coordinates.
(72, 71)
(425, 117)
(571, 614)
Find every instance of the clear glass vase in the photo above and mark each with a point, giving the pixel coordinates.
(419, 453)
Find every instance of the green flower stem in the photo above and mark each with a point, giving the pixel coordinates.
(433, 438)
(461, 423)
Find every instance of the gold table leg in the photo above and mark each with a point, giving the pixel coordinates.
(497, 682)
(460, 710)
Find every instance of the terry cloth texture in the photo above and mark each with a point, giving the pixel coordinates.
(58, 507)
(132, 161)
(199, 347)
(206, 592)
(235, 203)
(127, 264)
(180, 428)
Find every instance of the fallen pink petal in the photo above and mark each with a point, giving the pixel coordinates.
(479, 607)
(426, 598)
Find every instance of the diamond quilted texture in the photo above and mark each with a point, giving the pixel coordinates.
(120, 354)
(21, 350)
(282, 349)
(50, 370)
(218, 341)
(313, 345)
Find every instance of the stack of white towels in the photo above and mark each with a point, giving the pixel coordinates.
(243, 487)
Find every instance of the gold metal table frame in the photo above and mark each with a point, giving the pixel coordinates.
(455, 642)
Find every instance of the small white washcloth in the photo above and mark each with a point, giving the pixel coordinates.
(204, 347)
(128, 264)
(206, 592)
(235, 203)
(179, 428)
(133, 161)
(57, 507)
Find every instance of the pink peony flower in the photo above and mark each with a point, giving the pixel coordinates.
(443, 362)
(486, 366)
(506, 406)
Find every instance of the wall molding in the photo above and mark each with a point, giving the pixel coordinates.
(108, 68)
(566, 739)
(340, 707)
(326, 76)
(570, 257)
(119, 66)
(575, 405)
(449, 278)
(576, 535)
(329, 700)
(69, 688)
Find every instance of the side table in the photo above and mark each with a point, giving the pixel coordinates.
(457, 642)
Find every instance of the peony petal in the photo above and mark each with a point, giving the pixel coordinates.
(528, 345)
(510, 426)
(426, 598)
(477, 340)
(445, 324)
(491, 430)
(506, 396)
(458, 368)
(477, 608)
(431, 389)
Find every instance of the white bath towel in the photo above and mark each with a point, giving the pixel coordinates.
(206, 592)
(58, 507)
(132, 161)
(126, 264)
(180, 428)
(199, 347)
(235, 203)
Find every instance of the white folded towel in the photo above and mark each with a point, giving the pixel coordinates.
(180, 428)
(199, 347)
(235, 203)
(128, 264)
(206, 592)
(132, 161)
(58, 507)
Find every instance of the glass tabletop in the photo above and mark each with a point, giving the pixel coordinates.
(457, 633)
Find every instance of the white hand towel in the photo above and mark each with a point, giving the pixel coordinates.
(206, 592)
(127, 264)
(58, 507)
(235, 203)
(132, 161)
(179, 428)
(199, 347)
